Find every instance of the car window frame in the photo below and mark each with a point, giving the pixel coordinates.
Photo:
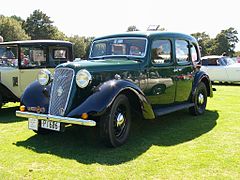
(172, 54)
(186, 63)
(32, 47)
(125, 37)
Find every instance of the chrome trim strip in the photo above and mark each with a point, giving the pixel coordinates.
(69, 92)
(49, 117)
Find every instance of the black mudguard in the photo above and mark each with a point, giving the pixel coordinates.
(36, 95)
(6, 94)
(104, 95)
(201, 76)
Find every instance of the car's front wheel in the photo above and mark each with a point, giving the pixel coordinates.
(115, 123)
(199, 100)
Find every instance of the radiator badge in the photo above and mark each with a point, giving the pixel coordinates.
(61, 111)
(59, 91)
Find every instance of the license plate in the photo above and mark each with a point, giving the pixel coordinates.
(50, 125)
(33, 124)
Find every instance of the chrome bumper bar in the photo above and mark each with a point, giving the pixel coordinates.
(68, 120)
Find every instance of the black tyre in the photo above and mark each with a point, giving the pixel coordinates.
(115, 123)
(199, 100)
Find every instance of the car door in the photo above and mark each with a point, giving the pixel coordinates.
(183, 71)
(32, 59)
(215, 70)
(161, 85)
(233, 72)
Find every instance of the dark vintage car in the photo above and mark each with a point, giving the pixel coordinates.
(151, 74)
(20, 62)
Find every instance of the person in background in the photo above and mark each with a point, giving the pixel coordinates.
(224, 54)
(1, 39)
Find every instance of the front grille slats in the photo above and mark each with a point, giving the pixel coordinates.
(61, 88)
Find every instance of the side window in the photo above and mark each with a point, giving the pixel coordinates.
(213, 62)
(194, 54)
(182, 52)
(58, 55)
(204, 62)
(9, 56)
(161, 52)
(33, 57)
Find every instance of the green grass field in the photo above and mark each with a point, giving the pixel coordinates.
(176, 146)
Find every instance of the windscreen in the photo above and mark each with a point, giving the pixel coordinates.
(135, 47)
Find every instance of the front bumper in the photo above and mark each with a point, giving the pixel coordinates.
(49, 117)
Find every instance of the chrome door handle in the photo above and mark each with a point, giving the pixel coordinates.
(177, 70)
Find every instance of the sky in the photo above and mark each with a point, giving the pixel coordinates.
(101, 17)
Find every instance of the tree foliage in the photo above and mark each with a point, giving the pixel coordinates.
(40, 26)
(205, 42)
(11, 29)
(132, 28)
(81, 46)
(224, 42)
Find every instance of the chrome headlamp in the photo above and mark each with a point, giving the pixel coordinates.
(44, 77)
(83, 78)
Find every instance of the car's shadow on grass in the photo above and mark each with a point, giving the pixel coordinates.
(83, 145)
(7, 115)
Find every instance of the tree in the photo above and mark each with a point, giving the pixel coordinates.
(132, 28)
(19, 19)
(226, 41)
(11, 29)
(81, 46)
(204, 41)
(237, 53)
(39, 26)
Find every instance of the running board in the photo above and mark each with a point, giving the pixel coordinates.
(166, 110)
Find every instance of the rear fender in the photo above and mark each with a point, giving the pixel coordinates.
(105, 94)
(201, 76)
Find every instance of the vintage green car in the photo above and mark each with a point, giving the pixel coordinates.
(151, 74)
(20, 62)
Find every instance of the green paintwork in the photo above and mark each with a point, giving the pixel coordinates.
(162, 85)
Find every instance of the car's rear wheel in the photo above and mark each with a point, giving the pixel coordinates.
(115, 123)
(199, 100)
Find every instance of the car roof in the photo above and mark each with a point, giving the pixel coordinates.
(150, 34)
(29, 42)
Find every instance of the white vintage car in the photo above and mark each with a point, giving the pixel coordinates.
(221, 68)
(20, 62)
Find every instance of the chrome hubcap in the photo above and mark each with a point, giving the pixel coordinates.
(120, 120)
(200, 98)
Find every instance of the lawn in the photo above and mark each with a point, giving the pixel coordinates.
(176, 146)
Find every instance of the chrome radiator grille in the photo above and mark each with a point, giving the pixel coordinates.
(61, 88)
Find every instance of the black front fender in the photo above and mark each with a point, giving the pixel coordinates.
(104, 95)
(36, 95)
